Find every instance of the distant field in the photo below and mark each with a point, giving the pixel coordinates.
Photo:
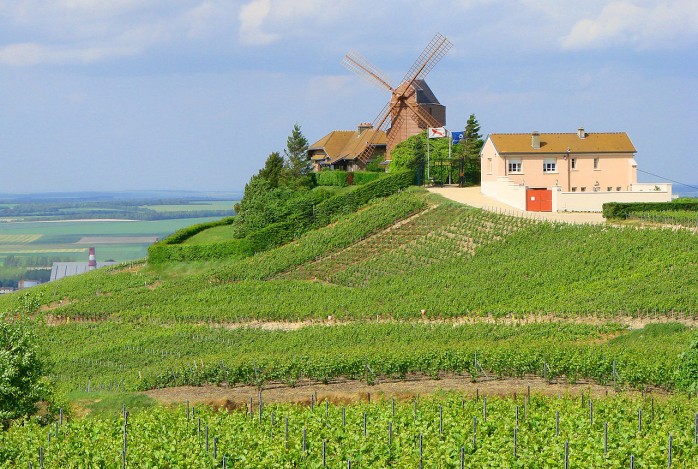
(222, 205)
(116, 240)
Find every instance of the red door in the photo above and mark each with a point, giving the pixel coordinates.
(539, 200)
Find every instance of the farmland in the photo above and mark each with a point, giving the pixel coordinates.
(409, 285)
(40, 233)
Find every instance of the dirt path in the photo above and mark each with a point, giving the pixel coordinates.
(632, 322)
(345, 391)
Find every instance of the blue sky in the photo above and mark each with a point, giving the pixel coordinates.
(194, 94)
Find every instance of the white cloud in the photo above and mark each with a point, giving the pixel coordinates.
(252, 15)
(643, 24)
(80, 31)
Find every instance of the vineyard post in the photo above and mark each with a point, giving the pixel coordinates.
(567, 455)
(60, 416)
(365, 417)
(56, 429)
(669, 450)
(344, 417)
(484, 409)
(632, 461)
(286, 437)
(639, 420)
(207, 438)
(474, 433)
(41, 457)
(441, 419)
(421, 450)
(390, 434)
(462, 457)
(187, 409)
(251, 409)
(271, 430)
(605, 438)
(198, 430)
(324, 454)
(591, 412)
(304, 440)
(695, 430)
(225, 462)
(215, 447)
(327, 409)
(557, 423)
(516, 431)
(517, 415)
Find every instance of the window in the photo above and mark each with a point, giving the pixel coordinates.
(490, 165)
(596, 163)
(514, 166)
(584, 189)
(550, 165)
(609, 189)
(618, 188)
(597, 188)
(574, 189)
(574, 163)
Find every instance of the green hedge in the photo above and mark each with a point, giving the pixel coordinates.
(184, 234)
(331, 178)
(235, 248)
(303, 216)
(345, 178)
(622, 210)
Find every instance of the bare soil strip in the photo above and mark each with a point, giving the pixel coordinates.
(632, 322)
(346, 391)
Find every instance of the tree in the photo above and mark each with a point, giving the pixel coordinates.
(273, 169)
(467, 152)
(297, 164)
(21, 370)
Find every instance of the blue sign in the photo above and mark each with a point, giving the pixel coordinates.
(457, 136)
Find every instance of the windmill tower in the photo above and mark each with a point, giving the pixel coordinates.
(412, 106)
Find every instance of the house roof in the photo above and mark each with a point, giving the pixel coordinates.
(68, 269)
(607, 142)
(344, 144)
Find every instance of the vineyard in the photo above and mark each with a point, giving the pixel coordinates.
(408, 285)
(449, 430)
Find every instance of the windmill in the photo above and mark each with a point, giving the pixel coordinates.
(412, 106)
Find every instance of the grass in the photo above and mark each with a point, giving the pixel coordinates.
(212, 235)
(107, 404)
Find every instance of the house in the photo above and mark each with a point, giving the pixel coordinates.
(574, 172)
(340, 149)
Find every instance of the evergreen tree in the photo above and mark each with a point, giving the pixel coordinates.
(273, 169)
(297, 163)
(473, 141)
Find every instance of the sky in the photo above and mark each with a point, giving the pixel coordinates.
(194, 94)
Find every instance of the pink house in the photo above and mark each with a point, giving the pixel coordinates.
(564, 171)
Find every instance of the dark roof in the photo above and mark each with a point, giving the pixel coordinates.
(424, 93)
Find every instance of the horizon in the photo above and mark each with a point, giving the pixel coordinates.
(195, 95)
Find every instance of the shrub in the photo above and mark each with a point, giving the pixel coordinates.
(622, 210)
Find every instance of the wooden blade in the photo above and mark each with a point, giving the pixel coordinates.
(435, 50)
(360, 65)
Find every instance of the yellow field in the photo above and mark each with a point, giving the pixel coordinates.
(21, 250)
(18, 238)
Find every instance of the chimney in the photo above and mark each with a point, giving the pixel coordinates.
(581, 133)
(365, 126)
(535, 140)
(92, 260)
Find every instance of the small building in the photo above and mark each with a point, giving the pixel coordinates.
(340, 149)
(22, 284)
(554, 172)
(68, 269)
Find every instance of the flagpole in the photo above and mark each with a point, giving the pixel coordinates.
(427, 155)
(450, 141)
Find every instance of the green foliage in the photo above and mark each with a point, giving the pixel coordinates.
(273, 169)
(624, 210)
(340, 178)
(427, 431)
(21, 370)
(182, 235)
(687, 372)
(298, 167)
(331, 178)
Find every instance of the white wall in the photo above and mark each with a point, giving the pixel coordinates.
(593, 201)
(505, 191)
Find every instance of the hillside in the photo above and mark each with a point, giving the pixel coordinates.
(408, 285)
(390, 260)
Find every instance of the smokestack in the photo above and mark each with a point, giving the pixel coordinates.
(535, 140)
(92, 260)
